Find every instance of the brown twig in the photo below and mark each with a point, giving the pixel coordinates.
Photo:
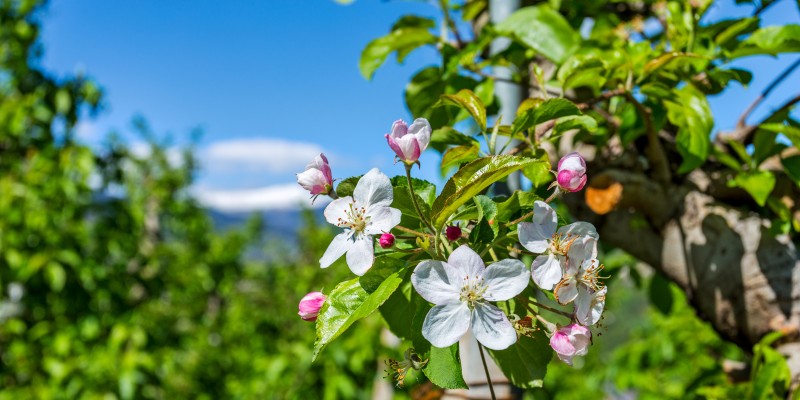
(780, 78)
(654, 149)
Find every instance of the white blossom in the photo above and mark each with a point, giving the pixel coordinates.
(461, 290)
(363, 215)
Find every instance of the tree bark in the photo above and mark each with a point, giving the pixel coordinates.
(736, 274)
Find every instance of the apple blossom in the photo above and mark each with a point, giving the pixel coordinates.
(386, 241)
(589, 309)
(461, 290)
(577, 240)
(571, 176)
(408, 142)
(570, 341)
(317, 178)
(580, 281)
(362, 215)
(309, 306)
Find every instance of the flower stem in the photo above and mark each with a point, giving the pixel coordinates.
(410, 231)
(548, 308)
(520, 219)
(414, 200)
(486, 370)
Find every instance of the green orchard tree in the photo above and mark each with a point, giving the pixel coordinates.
(715, 212)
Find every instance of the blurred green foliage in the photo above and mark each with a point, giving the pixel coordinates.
(114, 282)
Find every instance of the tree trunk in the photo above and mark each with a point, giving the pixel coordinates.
(735, 273)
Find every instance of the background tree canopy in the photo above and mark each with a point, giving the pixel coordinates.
(116, 284)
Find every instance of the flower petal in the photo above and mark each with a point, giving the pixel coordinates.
(336, 211)
(373, 189)
(422, 130)
(312, 180)
(532, 237)
(546, 271)
(339, 245)
(491, 327)
(581, 338)
(572, 161)
(545, 216)
(583, 248)
(566, 290)
(561, 344)
(589, 307)
(409, 147)
(466, 261)
(399, 128)
(505, 279)
(535, 236)
(381, 220)
(361, 255)
(437, 282)
(579, 228)
(446, 323)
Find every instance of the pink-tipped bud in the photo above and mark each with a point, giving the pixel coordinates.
(452, 233)
(408, 142)
(570, 341)
(386, 241)
(571, 173)
(317, 178)
(309, 306)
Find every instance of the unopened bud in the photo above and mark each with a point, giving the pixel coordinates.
(309, 306)
(386, 241)
(452, 233)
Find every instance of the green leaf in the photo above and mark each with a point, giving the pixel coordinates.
(770, 373)
(728, 37)
(771, 40)
(347, 186)
(689, 110)
(792, 167)
(582, 70)
(758, 183)
(515, 206)
(791, 132)
(546, 111)
(542, 29)
(467, 100)
(487, 217)
(395, 309)
(413, 21)
(674, 57)
(456, 156)
(355, 299)
(444, 137)
(538, 173)
(405, 39)
(471, 180)
(402, 201)
(525, 362)
(444, 366)
(424, 189)
(661, 294)
(564, 124)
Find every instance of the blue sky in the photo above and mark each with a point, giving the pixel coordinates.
(270, 83)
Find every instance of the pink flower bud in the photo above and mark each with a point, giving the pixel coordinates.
(408, 142)
(571, 173)
(309, 306)
(452, 233)
(570, 341)
(386, 241)
(317, 178)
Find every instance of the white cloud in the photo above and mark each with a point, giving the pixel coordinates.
(287, 196)
(267, 155)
